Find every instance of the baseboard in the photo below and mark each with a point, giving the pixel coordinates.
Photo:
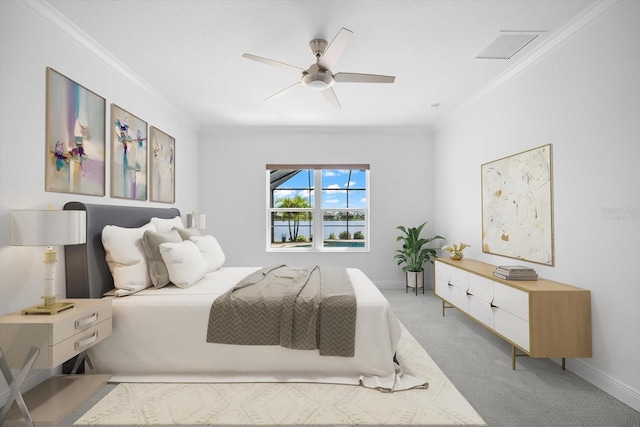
(36, 377)
(389, 285)
(615, 388)
(395, 285)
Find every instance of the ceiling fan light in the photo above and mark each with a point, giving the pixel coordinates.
(318, 81)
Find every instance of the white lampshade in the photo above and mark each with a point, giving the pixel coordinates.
(196, 220)
(48, 228)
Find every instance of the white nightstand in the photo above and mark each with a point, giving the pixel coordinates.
(52, 340)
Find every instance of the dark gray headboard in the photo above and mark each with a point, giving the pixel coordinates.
(87, 272)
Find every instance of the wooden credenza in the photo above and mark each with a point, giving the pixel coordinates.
(541, 318)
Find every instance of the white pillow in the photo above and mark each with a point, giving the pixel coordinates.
(126, 258)
(210, 250)
(164, 225)
(184, 263)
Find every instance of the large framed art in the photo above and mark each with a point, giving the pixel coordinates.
(128, 155)
(75, 137)
(163, 172)
(517, 206)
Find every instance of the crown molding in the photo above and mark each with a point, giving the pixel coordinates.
(581, 21)
(51, 15)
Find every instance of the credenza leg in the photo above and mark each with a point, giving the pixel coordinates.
(564, 363)
(444, 306)
(514, 354)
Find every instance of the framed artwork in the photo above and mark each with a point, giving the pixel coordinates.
(75, 137)
(128, 155)
(517, 206)
(163, 171)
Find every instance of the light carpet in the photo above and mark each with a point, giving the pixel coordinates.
(291, 404)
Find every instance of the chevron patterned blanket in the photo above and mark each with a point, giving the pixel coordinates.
(304, 308)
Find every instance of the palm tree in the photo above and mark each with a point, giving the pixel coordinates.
(294, 202)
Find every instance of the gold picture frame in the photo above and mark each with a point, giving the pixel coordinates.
(163, 167)
(129, 157)
(75, 137)
(517, 206)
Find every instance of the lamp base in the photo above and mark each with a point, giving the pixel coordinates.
(53, 308)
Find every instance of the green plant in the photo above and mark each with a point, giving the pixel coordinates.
(344, 235)
(358, 235)
(332, 236)
(413, 253)
(295, 216)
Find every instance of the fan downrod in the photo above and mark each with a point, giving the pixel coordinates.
(318, 47)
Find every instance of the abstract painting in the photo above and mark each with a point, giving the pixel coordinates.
(128, 155)
(75, 137)
(517, 206)
(163, 171)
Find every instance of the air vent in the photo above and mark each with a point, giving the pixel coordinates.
(507, 44)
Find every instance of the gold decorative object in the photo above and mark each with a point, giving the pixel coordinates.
(455, 250)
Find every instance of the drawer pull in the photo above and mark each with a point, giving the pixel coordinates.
(87, 341)
(81, 323)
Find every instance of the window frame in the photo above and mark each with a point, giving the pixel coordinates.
(317, 211)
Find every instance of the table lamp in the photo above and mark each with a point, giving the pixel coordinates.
(48, 228)
(196, 220)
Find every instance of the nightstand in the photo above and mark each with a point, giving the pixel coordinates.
(46, 341)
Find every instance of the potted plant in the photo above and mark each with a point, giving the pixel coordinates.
(455, 250)
(414, 254)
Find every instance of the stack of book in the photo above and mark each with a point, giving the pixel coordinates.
(515, 272)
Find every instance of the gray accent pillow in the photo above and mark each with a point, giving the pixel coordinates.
(185, 233)
(151, 241)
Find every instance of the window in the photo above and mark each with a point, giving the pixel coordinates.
(305, 201)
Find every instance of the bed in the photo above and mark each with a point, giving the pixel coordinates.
(159, 334)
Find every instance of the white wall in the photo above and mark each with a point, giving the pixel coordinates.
(232, 173)
(29, 42)
(584, 99)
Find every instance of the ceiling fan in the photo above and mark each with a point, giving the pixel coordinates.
(319, 76)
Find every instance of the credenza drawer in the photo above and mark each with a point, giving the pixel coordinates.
(459, 279)
(481, 287)
(511, 300)
(512, 327)
(460, 299)
(481, 311)
(442, 289)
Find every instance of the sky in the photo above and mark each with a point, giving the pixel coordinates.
(334, 183)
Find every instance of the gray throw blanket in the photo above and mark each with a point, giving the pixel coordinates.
(304, 308)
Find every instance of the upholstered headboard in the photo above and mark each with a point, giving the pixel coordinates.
(87, 272)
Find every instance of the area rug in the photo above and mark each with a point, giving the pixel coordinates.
(290, 404)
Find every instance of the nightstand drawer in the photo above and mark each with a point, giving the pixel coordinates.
(82, 318)
(78, 343)
(55, 335)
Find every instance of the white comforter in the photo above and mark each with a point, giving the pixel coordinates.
(159, 335)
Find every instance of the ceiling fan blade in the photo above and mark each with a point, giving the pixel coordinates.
(331, 98)
(335, 48)
(284, 91)
(362, 78)
(273, 63)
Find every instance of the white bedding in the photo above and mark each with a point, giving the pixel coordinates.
(159, 335)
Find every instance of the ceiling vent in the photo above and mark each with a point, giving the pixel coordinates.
(507, 44)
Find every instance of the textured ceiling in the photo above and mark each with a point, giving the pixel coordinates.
(191, 52)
